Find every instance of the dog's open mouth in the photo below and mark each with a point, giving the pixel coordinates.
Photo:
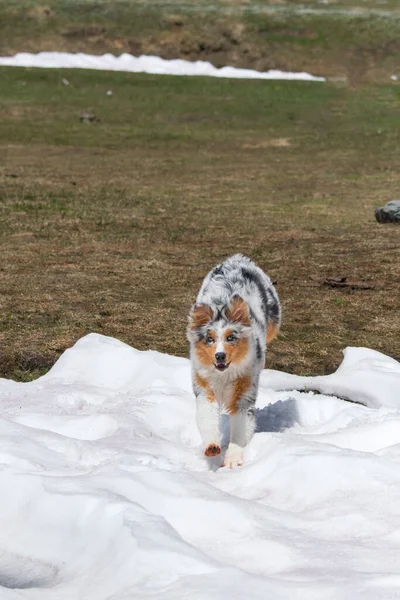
(221, 366)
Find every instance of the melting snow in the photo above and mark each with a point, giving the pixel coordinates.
(143, 64)
(105, 493)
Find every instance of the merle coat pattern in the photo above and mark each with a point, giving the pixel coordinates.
(237, 313)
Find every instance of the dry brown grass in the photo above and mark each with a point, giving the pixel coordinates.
(113, 231)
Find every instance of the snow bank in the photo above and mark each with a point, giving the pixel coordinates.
(364, 376)
(143, 64)
(106, 494)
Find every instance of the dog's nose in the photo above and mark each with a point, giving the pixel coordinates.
(220, 357)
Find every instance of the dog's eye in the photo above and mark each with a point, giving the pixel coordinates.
(231, 338)
(209, 339)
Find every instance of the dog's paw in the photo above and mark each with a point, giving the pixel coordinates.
(233, 457)
(212, 450)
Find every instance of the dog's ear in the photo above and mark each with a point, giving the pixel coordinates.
(200, 315)
(238, 311)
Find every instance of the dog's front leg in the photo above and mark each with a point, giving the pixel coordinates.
(242, 425)
(208, 412)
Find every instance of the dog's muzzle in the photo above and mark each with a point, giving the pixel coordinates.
(221, 366)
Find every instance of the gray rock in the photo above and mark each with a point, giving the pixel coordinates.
(390, 213)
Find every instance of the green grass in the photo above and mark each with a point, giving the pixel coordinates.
(38, 107)
(111, 226)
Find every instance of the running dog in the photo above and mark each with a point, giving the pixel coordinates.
(237, 313)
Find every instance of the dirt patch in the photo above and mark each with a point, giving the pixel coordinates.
(273, 143)
(41, 14)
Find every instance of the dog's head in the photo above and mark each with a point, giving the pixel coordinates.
(220, 334)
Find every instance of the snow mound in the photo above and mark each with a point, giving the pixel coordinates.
(143, 64)
(365, 376)
(106, 494)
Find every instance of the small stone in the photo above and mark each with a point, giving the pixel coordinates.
(65, 81)
(390, 213)
(109, 92)
(86, 117)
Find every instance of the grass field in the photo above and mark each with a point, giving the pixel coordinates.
(340, 39)
(110, 226)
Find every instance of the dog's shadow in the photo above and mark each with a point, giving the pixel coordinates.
(277, 417)
(273, 418)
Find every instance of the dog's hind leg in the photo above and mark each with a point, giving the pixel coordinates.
(208, 412)
(272, 331)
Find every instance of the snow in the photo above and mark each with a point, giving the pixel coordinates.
(106, 493)
(364, 376)
(143, 64)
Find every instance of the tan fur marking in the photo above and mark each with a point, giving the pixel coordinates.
(228, 332)
(211, 334)
(272, 331)
(238, 311)
(240, 387)
(203, 383)
(204, 353)
(212, 450)
(200, 316)
(237, 352)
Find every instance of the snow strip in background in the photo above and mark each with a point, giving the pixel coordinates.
(105, 493)
(143, 64)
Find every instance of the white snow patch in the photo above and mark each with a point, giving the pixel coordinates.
(143, 64)
(106, 494)
(365, 376)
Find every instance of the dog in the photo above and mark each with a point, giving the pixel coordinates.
(236, 314)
